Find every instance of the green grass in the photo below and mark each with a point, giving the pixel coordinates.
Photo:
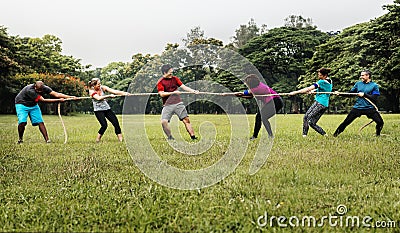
(82, 186)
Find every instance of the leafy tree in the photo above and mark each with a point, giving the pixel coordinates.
(297, 21)
(61, 83)
(138, 61)
(373, 45)
(8, 64)
(43, 55)
(113, 73)
(281, 54)
(246, 32)
(195, 33)
(8, 67)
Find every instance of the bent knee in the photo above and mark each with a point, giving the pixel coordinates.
(23, 123)
(186, 120)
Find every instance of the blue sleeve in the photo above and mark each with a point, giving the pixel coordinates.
(354, 89)
(375, 91)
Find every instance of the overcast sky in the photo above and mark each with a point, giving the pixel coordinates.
(99, 32)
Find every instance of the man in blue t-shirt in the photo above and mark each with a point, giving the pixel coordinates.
(366, 89)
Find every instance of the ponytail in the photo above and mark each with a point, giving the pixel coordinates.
(93, 82)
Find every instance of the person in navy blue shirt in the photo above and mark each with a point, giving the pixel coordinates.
(366, 89)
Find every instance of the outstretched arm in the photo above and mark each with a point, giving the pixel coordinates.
(246, 94)
(188, 89)
(304, 90)
(166, 94)
(61, 95)
(113, 91)
(96, 96)
(51, 100)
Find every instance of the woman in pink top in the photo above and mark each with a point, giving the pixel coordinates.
(268, 105)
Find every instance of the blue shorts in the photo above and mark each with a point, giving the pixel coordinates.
(34, 114)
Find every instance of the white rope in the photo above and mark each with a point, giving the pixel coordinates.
(196, 93)
(355, 94)
(212, 93)
(332, 93)
(62, 122)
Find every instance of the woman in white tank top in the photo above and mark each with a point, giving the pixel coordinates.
(101, 108)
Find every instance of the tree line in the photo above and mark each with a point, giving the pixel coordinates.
(287, 57)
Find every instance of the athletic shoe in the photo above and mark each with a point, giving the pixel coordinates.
(170, 137)
(20, 141)
(253, 138)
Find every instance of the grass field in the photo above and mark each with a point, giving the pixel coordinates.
(82, 186)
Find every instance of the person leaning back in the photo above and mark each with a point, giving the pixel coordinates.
(368, 92)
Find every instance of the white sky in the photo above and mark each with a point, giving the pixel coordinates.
(99, 32)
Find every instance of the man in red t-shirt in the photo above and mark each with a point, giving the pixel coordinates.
(167, 87)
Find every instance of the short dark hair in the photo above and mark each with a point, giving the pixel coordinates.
(324, 71)
(252, 81)
(165, 68)
(367, 72)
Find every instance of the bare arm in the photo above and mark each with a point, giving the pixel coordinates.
(60, 95)
(99, 97)
(51, 100)
(113, 91)
(304, 90)
(188, 89)
(165, 94)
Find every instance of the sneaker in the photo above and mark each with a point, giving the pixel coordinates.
(194, 137)
(304, 135)
(48, 141)
(20, 141)
(170, 137)
(335, 134)
(253, 138)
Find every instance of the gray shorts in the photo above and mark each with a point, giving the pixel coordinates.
(168, 110)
